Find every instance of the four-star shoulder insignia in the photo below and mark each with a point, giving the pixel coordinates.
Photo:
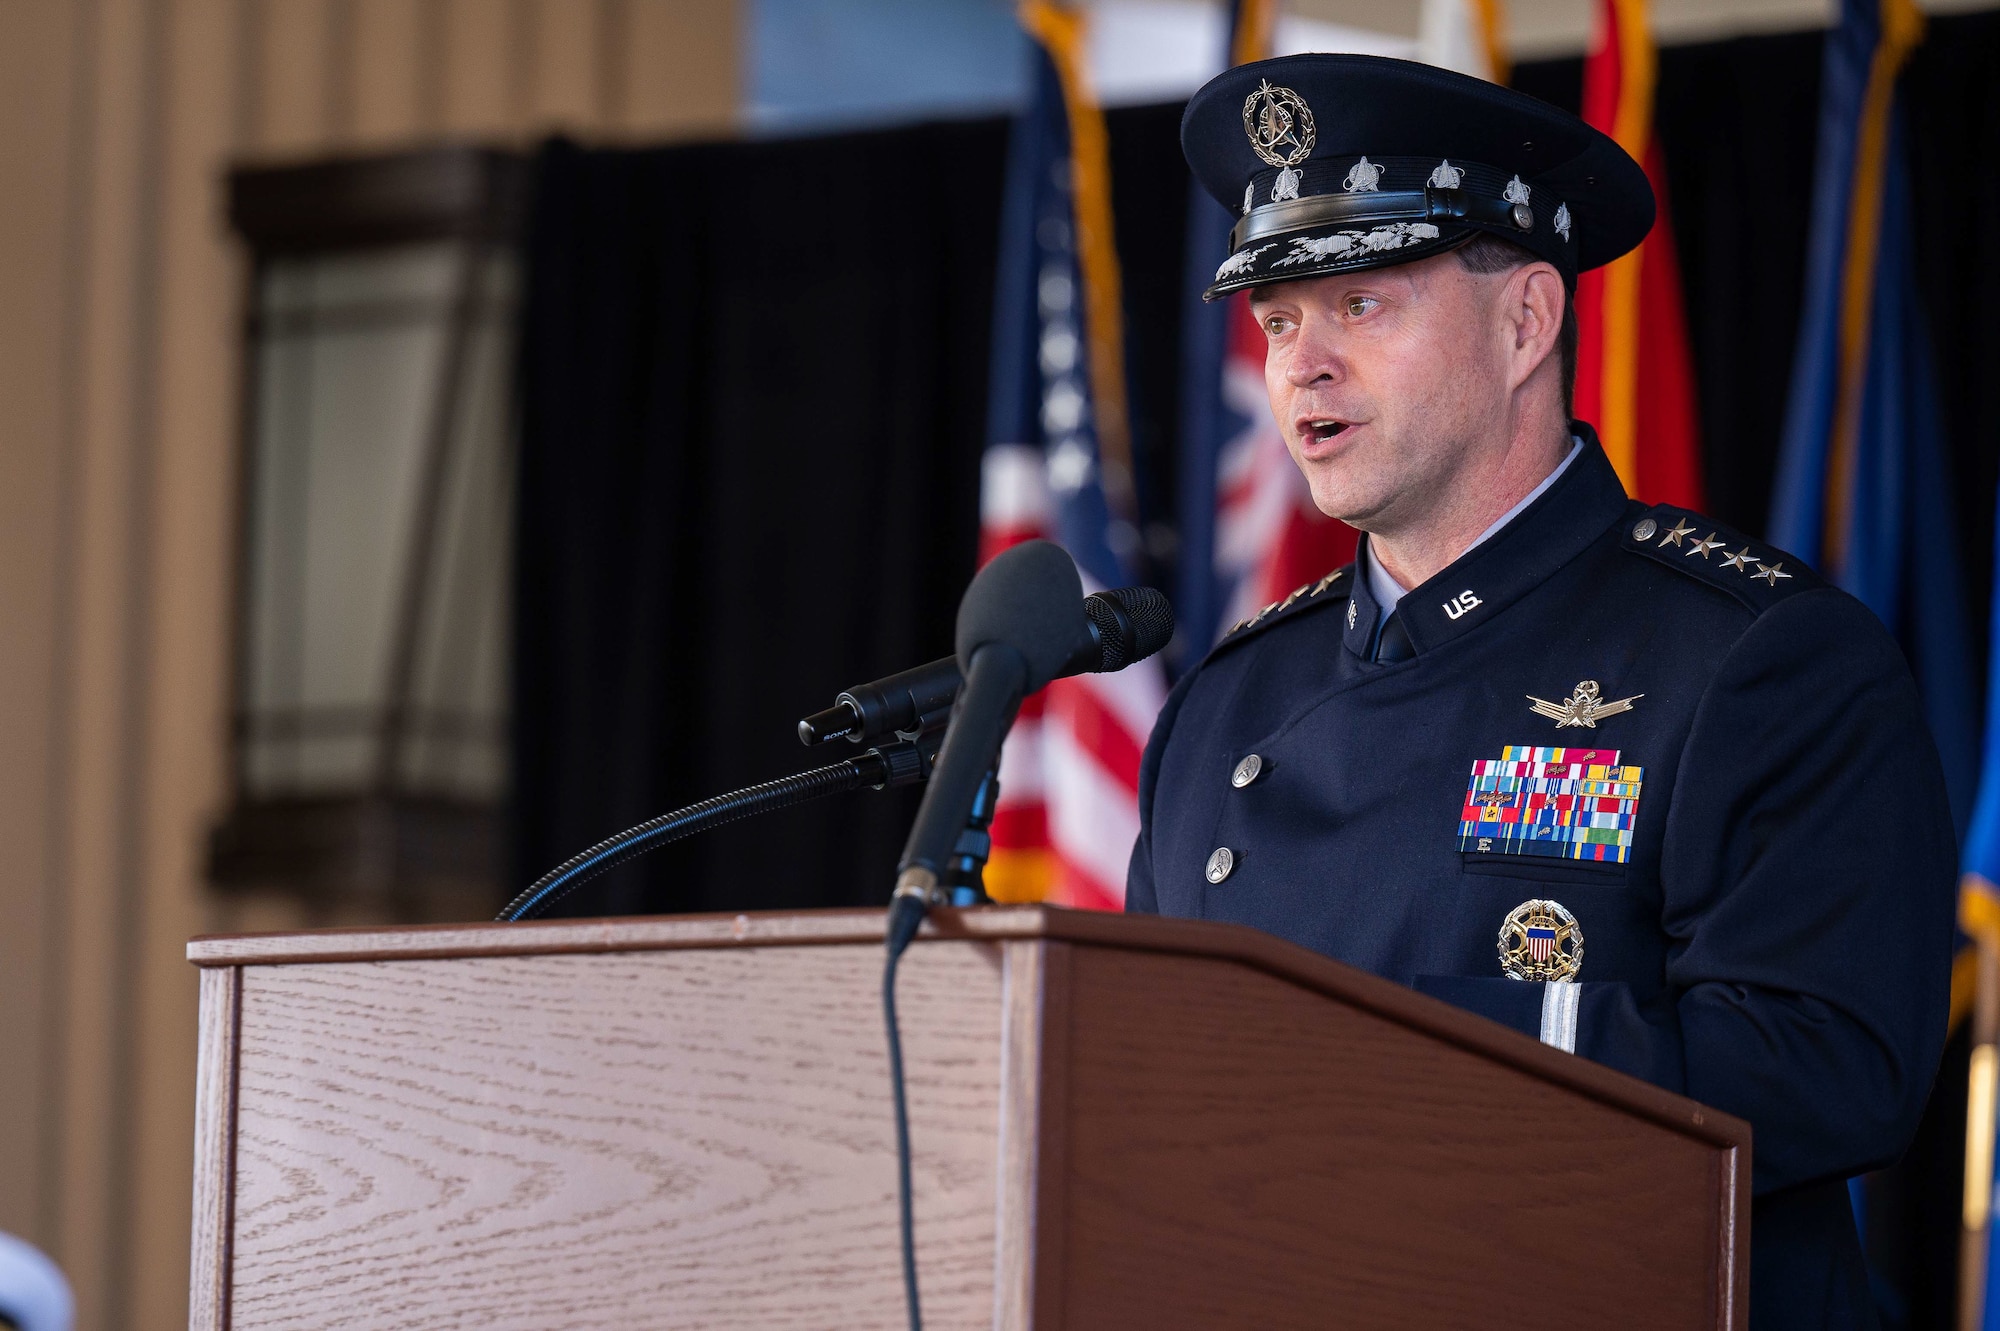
(1769, 573)
(1310, 592)
(1754, 573)
(1680, 529)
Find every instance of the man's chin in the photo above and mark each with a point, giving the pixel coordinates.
(1350, 504)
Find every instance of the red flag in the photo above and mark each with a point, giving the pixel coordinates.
(1635, 378)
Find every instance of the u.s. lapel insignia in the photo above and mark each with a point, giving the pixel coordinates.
(1582, 708)
(1539, 940)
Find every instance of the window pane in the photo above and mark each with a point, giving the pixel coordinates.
(349, 355)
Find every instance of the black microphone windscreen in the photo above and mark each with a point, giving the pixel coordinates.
(1031, 598)
(1147, 625)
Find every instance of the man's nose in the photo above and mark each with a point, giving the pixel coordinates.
(1316, 356)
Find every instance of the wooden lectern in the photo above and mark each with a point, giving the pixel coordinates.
(1118, 1122)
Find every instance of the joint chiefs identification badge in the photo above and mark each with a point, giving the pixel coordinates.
(1539, 940)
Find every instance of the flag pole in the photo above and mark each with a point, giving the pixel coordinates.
(1979, 914)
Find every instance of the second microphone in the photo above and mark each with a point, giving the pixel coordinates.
(1127, 624)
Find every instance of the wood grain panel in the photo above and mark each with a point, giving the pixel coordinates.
(648, 1140)
(1244, 1153)
(214, 1155)
(1027, 1239)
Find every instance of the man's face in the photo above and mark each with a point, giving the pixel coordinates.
(1383, 382)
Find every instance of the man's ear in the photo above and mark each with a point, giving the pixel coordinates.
(1535, 302)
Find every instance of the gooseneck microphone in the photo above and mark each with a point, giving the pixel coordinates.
(1020, 624)
(1126, 624)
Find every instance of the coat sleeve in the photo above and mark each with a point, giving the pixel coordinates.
(1808, 874)
(1809, 869)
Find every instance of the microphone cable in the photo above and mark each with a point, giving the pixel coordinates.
(906, 915)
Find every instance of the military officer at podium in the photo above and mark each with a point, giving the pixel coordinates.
(1612, 774)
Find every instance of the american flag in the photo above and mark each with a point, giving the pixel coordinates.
(1541, 942)
(1057, 466)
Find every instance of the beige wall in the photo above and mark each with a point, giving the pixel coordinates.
(118, 422)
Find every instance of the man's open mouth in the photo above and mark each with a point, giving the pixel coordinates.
(1321, 431)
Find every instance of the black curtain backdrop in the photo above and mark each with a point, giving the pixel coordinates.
(753, 386)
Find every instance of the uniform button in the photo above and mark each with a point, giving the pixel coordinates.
(1220, 863)
(1644, 531)
(1246, 771)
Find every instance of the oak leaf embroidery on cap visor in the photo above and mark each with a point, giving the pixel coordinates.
(1240, 262)
(1316, 249)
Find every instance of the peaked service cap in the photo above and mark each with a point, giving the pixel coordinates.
(1336, 163)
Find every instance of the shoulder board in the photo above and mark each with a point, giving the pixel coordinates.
(1328, 590)
(1757, 574)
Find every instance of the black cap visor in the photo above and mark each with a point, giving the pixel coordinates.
(1344, 233)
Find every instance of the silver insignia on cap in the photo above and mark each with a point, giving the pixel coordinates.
(1286, 186)
(1279, 123)
(1239, 262)
(1249, 198)
(1562, 220)
(1362, 178)
(1515, 192)
(1446, 176)
(1394, 236)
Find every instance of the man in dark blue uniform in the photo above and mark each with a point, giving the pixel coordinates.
(1535, 714)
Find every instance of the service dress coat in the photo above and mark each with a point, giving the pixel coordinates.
(1755, 856)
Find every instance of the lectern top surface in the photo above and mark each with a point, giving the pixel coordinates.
(992, 924)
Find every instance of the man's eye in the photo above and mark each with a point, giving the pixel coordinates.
(1358, 306)
(1276, 324)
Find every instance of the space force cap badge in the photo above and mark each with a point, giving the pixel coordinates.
(1279, 125)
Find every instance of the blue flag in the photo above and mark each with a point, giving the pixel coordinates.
(1862, 492)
